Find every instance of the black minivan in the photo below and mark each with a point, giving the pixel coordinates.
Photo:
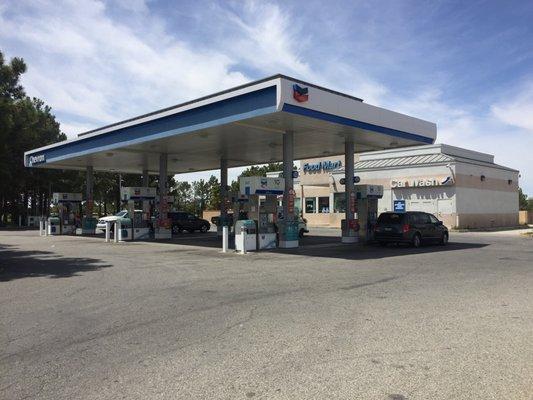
(184, 221)
(413, 227)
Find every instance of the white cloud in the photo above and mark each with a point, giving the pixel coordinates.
(266, 38)
(518, 110)
(89, 66)
(71, 129)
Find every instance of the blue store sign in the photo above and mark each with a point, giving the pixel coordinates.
(399, 206)
(326, 165)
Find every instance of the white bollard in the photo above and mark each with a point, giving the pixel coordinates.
(243, 231)
(225, 237)
(107, 231)
(45, 227)
(117, 227)
(41, 226)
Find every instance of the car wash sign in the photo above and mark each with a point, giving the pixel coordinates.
(421, 182)
(35, 160)
(322, 166)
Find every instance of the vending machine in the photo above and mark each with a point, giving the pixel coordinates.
(367, 209)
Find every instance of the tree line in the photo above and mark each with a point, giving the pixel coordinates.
(27, 123)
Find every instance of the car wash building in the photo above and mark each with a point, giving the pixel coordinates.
(463, 188)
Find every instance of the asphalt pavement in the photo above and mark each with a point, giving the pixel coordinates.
(82, 319)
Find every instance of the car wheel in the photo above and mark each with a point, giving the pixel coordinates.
(204, 229)
(301, 233)
(416, 241)
(177, 229)
(444, 239)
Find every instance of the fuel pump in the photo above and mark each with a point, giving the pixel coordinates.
(261, 206)
(367, 209)
(139, 202)
(68, 213)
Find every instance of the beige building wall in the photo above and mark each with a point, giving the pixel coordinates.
(487, 196)
(470, 202)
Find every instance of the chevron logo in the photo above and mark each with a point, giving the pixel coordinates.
(300, 94)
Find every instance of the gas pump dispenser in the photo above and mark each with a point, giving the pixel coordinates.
(139, 224)
(367, 209)
(261, 206)
(68, 213)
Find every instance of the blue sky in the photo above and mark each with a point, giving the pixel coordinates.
(468, 66)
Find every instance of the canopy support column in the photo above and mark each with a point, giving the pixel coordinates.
(145, 178)
(349, 224)
(163, 225)
(88, 222)
(223, 219)
(288, 227)
(89, 192)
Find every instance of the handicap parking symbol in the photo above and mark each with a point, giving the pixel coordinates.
(399, 205)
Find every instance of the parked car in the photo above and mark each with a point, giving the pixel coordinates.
(123, 216)
(214, 220)
(184, 221)
(411, 227)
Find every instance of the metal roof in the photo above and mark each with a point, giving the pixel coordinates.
(419, 159)
(403, 161)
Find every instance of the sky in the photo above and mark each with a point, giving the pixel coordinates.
(467, 66)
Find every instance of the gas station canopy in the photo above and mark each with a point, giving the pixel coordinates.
(243, 125)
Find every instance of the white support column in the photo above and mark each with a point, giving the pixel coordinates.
(349, 235)
(225, 239)
(117, 233)
(288, 232)
(223, 195)
(107, 231)
(162, 230)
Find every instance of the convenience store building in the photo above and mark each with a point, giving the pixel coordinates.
(463, 188)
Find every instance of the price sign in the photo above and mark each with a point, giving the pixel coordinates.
(353, 203)
(290, 200)
(164, 223)
(353, 224)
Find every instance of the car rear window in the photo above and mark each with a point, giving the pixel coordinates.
(391, 218)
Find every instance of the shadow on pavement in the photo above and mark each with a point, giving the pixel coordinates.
(17, 264)
(325, 247)
(208, 239)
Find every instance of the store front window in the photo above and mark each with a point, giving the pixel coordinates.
(323, 204)
(310, 205)
(339, 202)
